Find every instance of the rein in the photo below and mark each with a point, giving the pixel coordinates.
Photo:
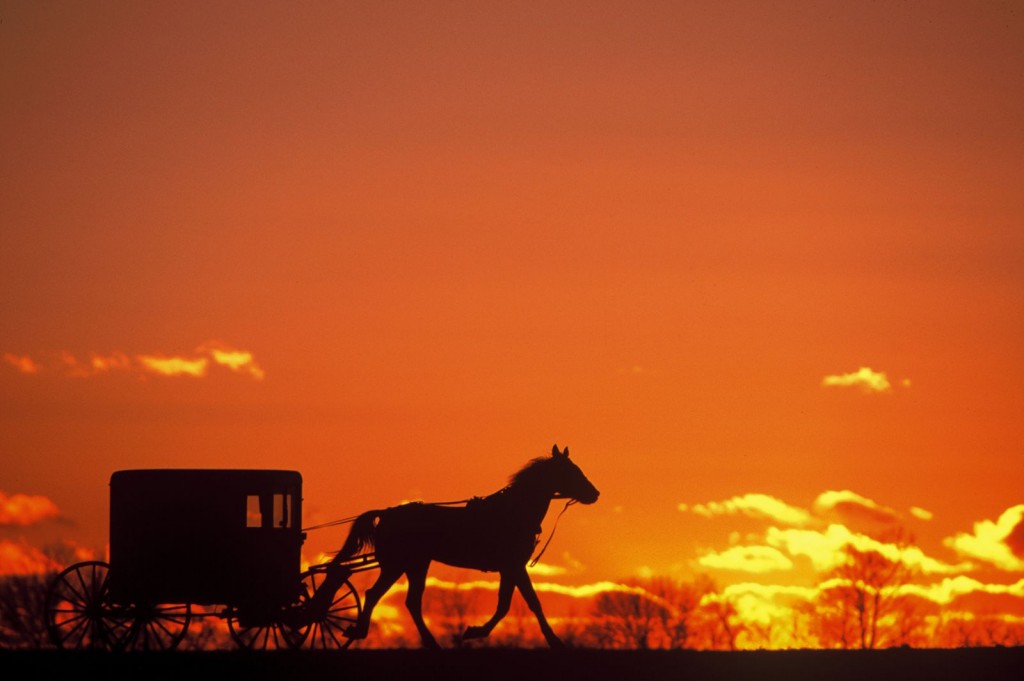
(553, 528)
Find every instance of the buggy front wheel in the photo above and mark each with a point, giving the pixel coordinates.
(332, 614)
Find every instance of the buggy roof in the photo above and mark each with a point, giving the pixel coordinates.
(226, 479)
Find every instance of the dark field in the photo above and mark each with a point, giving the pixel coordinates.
(498, 665)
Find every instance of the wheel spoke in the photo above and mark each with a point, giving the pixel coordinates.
(79, 628)
(158, 627)
(80, 594)
(329, 631)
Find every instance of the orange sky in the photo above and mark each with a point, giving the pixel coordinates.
(404, 247)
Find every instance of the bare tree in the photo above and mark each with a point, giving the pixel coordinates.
(678, 620)
(22, 617)
(630, 618)
(833, 619)
(721, 624)
(862, 603)
(663, 613)
(454, 607)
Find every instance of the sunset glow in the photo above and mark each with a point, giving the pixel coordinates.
(759, 265)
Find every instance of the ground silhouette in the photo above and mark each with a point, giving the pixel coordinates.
(991, 664)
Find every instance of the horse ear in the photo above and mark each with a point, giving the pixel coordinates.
(565, 452)
(555, 452)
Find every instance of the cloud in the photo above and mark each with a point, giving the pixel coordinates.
(951, 588)
(771, 591)
(117, 361)
(195, 365)
(753, 506)
(239, 361)
(24, 509)
(22, 559)
(866, 379)
(850, 504)
(755, 559)
(763, 603)
(545, 570)
(22, 363)
(582, 591)
(920, 513)
(826, 549)
(1000, 543)
(174, 366)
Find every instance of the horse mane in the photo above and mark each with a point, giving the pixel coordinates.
(529, 471)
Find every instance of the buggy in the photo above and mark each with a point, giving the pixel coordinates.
(194, 543)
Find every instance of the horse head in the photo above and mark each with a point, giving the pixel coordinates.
(570, 482)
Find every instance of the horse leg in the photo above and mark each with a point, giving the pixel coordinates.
(417, 575)
(387, 577)
(505, 590)
(530, 596)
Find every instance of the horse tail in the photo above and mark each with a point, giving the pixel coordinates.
(361, 536)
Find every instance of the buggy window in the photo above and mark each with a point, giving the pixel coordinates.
(269, 510)
(253, 514)
(282, 510)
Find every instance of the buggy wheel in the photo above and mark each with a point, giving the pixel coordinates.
(265, 632)
(328, 626)
(79, 613)
(158, 627)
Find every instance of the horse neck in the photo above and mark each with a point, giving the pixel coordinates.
(528, 501)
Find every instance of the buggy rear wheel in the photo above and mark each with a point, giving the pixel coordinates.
(266, 631)
(79, 612)
(331, 619)
(158, 627)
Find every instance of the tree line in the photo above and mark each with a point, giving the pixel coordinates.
(862, 603)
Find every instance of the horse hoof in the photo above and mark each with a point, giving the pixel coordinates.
(353, 632)
(473, 632)
(556, 644)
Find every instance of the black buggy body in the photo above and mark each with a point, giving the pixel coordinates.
(205, 536)
(204, 543)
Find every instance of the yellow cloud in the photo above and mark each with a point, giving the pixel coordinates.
(825, 549)
(239, 361)
(583, 591)
(951, 588)
(22, 363)
(174, 366)
(920, 513)
(991, 541)
(747, 559)
(771, 591)
(763, 605)
(25, 509)
(866, 379)
(197, 365)
(545, 570)
(753, 506)
(847, 502)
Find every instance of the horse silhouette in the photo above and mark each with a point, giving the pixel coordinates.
(496, 533)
